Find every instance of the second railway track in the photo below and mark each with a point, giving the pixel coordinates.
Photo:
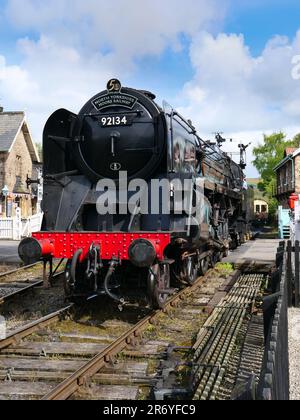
(11, 287)
(56, 359)
(21, 280)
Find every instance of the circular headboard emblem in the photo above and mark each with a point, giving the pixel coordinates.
(114, 85)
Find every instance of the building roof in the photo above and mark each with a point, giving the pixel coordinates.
(290, 154)
(11, 123)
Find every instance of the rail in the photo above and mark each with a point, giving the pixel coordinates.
(10, 289)
(27, 267)
(34, 326)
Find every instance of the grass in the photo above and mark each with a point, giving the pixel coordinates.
(224, 269)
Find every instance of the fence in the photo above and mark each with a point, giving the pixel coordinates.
(15, 228)
(31, 225)
(6, 228)
(293, 273)
(274, 380)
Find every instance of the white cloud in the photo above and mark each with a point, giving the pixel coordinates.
(235, 92)
(51, 76)
(130, 28)
(77, 46)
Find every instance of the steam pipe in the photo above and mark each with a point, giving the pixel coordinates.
(109, 274)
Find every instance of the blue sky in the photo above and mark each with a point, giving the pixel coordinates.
(224, 63)
(260, 20)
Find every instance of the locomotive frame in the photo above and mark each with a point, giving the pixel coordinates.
(123, 129)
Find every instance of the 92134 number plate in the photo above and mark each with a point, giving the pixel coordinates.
(116, 120)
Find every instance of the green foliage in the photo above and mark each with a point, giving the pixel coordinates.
(267, 156)
(224, 269)
(296, 141)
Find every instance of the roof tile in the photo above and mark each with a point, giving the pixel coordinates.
(10, 123)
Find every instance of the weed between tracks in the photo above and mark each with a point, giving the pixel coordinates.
(7, 267)
(224, 269)
(32, 273)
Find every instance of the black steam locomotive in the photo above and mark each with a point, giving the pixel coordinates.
(122, 135)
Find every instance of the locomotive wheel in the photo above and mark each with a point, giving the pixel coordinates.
(159, 285)
(68, 286)
(204, 266)
(216, 257)
(236, 242)
(73, 273)
(192, 271)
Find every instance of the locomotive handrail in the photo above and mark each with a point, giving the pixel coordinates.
(62, 174)
(172, 141)
(60, 139)
(98, 114)
(175, 113)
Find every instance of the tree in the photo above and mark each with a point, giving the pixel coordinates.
(296, 141)
(267, 156)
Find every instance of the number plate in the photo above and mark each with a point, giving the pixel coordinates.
(116, 120)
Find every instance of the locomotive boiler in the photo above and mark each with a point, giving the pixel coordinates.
(123, 137)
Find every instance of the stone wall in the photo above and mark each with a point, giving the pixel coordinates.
(18, 163)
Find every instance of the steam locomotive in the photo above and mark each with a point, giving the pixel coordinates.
(123, 135)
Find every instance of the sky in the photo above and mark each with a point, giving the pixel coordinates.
(229, 65)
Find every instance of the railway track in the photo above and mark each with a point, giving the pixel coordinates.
(11, 287)
(125, 360)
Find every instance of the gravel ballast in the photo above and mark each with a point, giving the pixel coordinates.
(294, 349)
